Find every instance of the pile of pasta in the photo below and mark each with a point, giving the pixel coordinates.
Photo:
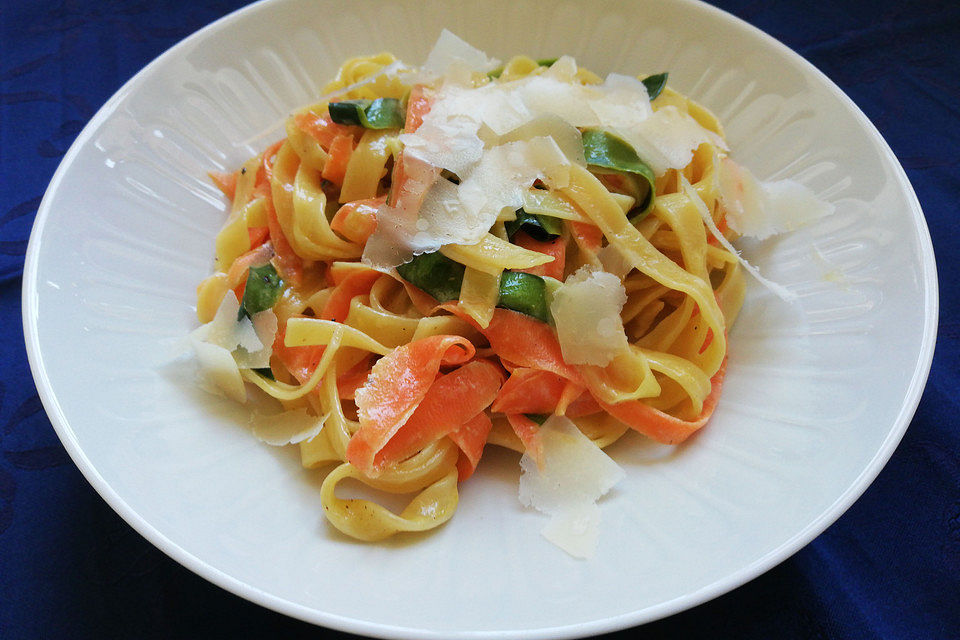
(605, 297)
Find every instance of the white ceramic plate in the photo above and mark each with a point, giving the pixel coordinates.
(816, 399)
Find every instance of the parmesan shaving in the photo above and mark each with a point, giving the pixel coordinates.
(248, 343)
(667, 139)
(759, 210)
(613, 261)
(566, 136)
(586, 310)
(575, 474)
(782, 292)
(500, 137)
(219, 372)
(265, 326)
(464, 213)
(287, 427)
(228, 332)
(455, 59)
(448, 136)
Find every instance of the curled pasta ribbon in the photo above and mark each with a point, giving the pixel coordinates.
(308, 148)
(492, 255)
(288, 392)
(627, 377)
(591, 196)
(300, 206)
(602, 428)
(367, 520)
(662, 426)
(361, 77)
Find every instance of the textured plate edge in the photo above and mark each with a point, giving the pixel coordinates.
(912, 398)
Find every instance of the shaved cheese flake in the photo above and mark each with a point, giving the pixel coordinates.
(762, 209)
(501, 179)
(248, 343)
(391, 243)
(448, 136)
(443, 219)
(625, 103)
(545, 94)
(613, 261)
(575, 474)
(218, 371)
(265, 325)
(220, 331)
(667, 139)
(288, 427)
(455, 59)
(228, 332)
(464, 213)
(564, 69)
(567, 136)
(586, 310)
(782, 292)
(246, 336)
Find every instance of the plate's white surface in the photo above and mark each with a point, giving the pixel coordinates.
(817, 395)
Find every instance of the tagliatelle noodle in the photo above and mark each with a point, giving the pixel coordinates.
(434, 254)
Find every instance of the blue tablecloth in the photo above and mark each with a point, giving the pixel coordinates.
(71, 568)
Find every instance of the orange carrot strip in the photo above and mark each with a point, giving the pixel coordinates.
(571, 391)
(301, 362)
(707, 341)
(530, 391)
(709, 337)
(356, 284)
(397, 384)
(527, 342)
(323, 129)
(356, 221)
(584, 405)
(260, 255)
(335, 168)
(661, 426)
(288, 263)
(556, 248)
(226, 182)
(265, 170)
(471, 437)
(587, 235)
(426, 304)
(258, 235)
(529, 433)
(349, 381)
(418, 105)
(452, 400)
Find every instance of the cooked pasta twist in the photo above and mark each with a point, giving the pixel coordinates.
(413, 370)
